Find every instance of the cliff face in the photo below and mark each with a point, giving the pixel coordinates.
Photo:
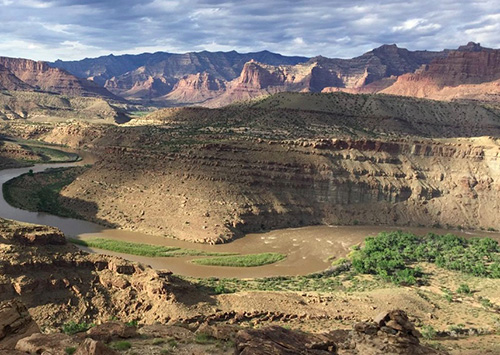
(43, 77)
(290, 160)
(470, 73)
(8, 81)
(214, 192)
(196, 88)
(162, 76)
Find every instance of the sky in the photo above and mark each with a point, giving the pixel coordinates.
(75, 29)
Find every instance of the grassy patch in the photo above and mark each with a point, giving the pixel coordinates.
(51, 155)
(41, 192)
(121, 345)
(141, 249)
(249, 260)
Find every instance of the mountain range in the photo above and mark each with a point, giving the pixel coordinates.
(215, 79)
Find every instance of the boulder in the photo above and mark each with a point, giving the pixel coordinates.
(277, 340)
(109, 331)
(94, 347)
(15, 323)
(167, 331)
(54, 344)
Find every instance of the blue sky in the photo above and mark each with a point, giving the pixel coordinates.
(75, 29)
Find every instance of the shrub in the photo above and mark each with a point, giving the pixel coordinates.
(428, 332)
(464, 288)
(72, 327)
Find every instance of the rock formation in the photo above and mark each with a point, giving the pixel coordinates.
(178, 79)
(472, 72)
(290, 161)
(58, 282)
(15, 323)
(393, 334)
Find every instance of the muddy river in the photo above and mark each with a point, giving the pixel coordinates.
(308, 249)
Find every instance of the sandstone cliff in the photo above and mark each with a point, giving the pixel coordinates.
(162, 76)
(470, 73)
(43, 77)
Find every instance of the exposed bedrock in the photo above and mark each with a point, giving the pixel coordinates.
(214, 192)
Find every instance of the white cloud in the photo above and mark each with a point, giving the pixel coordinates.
(416, 24)
(72, 29)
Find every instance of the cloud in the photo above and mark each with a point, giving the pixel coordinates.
(73, 29)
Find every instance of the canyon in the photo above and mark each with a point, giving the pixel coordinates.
(291, 160)
(390, 139)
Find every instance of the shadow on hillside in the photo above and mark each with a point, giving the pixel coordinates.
(81, 209)
(189, 294)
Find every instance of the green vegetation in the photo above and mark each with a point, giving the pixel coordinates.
(249, 260)
(50, 155)
(41, 192)
(141, 249)
(121, 345)
(464, 289)
(72, 327)
(202, 338)
(392, 256)
(70, 350)
(428, 332)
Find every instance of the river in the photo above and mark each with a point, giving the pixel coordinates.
(308, 249)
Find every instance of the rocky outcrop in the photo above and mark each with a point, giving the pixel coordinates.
(109, 331)
(44, 77)
(196, 88)
(54, 344)
(391, 334)
(93, 347)
(288, 161)
(15, 323)
(8, 81)
(281, 341)
(57, 281)
(178, 78)
(472, 72)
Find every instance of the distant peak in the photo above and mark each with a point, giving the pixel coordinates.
(471, 47)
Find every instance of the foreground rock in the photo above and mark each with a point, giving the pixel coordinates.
(93, 347)
(54, 344)
(111, 331)
(391, 333)
(278, 340)
(60, 283)
(15, 323)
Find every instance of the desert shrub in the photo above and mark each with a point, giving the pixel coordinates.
(464, 288)
(428, 332)
(74, 327)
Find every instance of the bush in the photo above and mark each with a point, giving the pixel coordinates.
(464, 288)
(72, 327)
(390, 255)
(428, 332)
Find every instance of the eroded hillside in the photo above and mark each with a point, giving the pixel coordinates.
(211, 175)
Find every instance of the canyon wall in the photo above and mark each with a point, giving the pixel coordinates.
(215, 192)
